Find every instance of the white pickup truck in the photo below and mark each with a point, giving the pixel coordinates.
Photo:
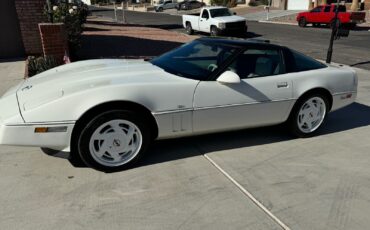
(215, 20)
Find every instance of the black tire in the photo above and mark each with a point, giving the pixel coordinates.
(293, 118)
(160, 9)
(83, 144)
(214, 31)
(302, 22)
(315, 25)
(189, 29)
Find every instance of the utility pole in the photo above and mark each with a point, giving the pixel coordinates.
(123, 12)
(334, 31)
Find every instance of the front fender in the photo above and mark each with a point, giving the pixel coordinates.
(71, 106)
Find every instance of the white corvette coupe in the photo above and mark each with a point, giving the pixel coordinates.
(106, 112)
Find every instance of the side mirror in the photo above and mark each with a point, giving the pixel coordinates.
(228, 77)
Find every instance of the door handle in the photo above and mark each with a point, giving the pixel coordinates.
(282, 84)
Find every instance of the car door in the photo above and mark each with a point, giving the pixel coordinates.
(314, 15)
(204, 21)
(327, 15)
(169, 5)
(263, 97)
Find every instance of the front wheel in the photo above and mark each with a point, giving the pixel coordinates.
(302, 22)
(214, 31)
(114, 140)
(308, 115)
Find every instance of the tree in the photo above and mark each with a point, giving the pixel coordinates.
(354, 6)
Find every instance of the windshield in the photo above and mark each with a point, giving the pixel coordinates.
(195, 60)
(222, 12)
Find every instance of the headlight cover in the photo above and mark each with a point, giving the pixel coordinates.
(222, 25)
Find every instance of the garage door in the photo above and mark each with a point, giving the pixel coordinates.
(11, 45)
(298, 4)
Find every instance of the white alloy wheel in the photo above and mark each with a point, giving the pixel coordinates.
(115, 143)
(311, 114)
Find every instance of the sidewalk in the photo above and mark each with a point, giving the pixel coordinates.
(11, 73)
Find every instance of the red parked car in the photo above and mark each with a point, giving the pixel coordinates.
(325, 15)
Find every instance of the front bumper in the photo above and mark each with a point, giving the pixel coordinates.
(14, 131)
(25, 135)
(238, 30)
(355, 21)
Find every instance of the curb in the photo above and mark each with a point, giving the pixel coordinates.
(277, 22)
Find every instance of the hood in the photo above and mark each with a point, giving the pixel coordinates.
(233, 18)
(67, 79)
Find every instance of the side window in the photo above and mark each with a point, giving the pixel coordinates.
(257, 63)
(316, 10)
(297, 62)
(340, 9)
(205, 14)
(327, 9)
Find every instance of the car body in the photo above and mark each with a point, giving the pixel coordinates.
(208, 85)
(325, 14)
(190, 5)
(179, 5)
(215, 20)
(165, 5)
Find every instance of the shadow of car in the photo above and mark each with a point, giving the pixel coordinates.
(171, 150)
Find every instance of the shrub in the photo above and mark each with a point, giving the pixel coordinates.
(38, 65)
(73, 16)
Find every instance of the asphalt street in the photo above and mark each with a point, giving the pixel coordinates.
(354, 50)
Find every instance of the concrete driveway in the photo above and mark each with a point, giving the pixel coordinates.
(207, 182)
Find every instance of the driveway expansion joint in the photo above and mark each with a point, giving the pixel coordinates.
(247, 193)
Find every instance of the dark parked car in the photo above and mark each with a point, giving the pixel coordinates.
(190, 5)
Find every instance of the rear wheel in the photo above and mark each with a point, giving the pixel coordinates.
(189, 29)
(114, 140)
(308, 115)
(302, 22)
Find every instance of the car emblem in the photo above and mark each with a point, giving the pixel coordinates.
(27, 87)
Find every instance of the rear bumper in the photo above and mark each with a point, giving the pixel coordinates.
(341, 100)
(356, 21)
(25, 135)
